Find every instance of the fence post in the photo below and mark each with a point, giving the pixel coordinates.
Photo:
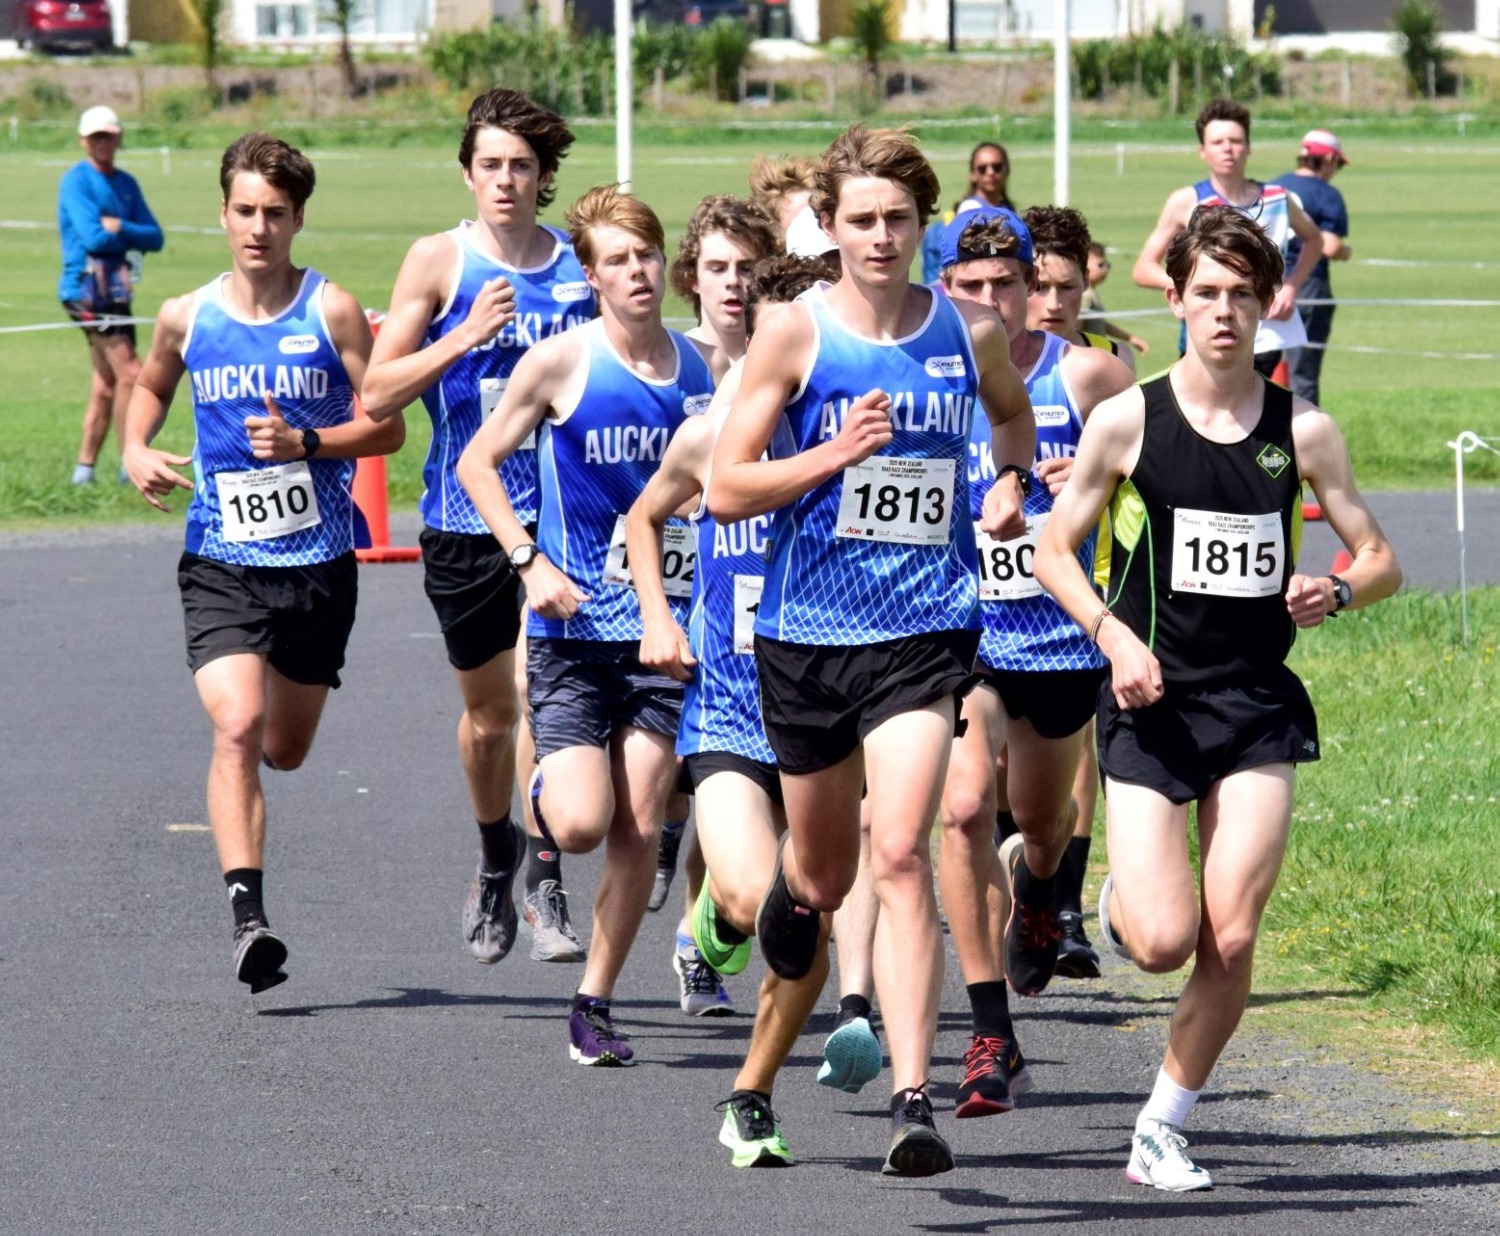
(1174, 87)
(659, 88)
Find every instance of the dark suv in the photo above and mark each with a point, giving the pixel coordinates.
(64, 25)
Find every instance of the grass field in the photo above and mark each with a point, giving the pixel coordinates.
(1398, 408)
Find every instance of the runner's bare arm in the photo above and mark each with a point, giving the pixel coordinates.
(677, 482)
(1107, 452)
(401, 368)
(152, 471)
(1002, 395)
(744, 484)
(1148, 271)
(1374, 573)
(1311, 237)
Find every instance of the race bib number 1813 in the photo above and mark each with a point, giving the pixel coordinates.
(891, 498)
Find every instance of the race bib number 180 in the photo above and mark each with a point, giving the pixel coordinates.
(1005, 566)
(677, 560)
(267, 503)
(891, 498)
(1227, 555)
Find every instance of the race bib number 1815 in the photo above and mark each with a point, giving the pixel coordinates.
(1227, 555)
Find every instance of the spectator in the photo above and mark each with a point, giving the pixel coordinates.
(989, 176)
(1093, 303)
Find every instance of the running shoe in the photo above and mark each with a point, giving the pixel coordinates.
(1106, 931)
(1076, 957)
(489, 919)
(787, 931)
(595, 1041)
(715, 938)
(667, 845)
(701, 992)
(1158, 1157)
(916, 1147)
(751, 1133)
(1031, 933)
(851, 1055)
(258, 956)
(545, 913)
(994, 1074)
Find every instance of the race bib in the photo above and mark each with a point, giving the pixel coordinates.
(747, 590)
(1005, 566)
(677, 560)
(490, 391)
(267, 503)
(892, 498)
(1227, 555)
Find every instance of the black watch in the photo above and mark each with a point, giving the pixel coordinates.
(1343, 595)
(310, 443)
(523, 555)
(1022, 474)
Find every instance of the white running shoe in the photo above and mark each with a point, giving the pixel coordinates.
(1116, 945)
(1158, 1157)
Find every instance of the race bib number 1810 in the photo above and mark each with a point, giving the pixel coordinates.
(1005, 566)
(268, 502)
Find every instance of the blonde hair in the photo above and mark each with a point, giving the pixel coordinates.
(887, 154)
(609, 206)
(771, 180)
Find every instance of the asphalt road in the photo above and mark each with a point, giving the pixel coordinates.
(393, 1085)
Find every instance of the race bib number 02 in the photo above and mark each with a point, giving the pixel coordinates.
(677, 560)
(890, 498)
(747, 590)
(1005, 566)
(267, 503)
(1227, 555)
(490, 391)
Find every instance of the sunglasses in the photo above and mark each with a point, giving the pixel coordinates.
(982, 168)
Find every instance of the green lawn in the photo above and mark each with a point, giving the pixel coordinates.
(1398, 410)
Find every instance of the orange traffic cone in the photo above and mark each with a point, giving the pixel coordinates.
(1282, 374)
(1341, 562)
(370, 495)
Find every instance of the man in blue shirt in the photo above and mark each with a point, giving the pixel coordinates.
(104, 225)
(1321, 158)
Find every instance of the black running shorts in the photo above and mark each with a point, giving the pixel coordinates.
(1057, 703)
(705, 764)
(475, 592)
(300, 617)
(1188, 740)
(819, 703)
(83, 315)
(581, 691)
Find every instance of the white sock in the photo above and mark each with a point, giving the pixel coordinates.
(83, 473)
(1169, 1103)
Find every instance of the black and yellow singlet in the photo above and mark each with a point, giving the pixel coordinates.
(1206, 538)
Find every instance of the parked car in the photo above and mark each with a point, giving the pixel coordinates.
(64, 25)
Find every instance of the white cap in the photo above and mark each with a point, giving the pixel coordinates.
(1320, 143)
(805, 236)
(98, 120)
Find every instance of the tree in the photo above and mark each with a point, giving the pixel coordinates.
(210, 14)
(342, 14)
(1419, 41)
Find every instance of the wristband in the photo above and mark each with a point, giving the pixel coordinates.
(1097, 623)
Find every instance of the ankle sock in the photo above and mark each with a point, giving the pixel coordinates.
(582, 1003)
(497, 841)
(1169, 1103)
(1032, 890)
(244, 884)
(991, 1009)
(854, 1005)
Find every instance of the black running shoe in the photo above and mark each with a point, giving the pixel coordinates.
(1076, 957)
(985, 1089)
(258, 956)
(786, 929)
(1031, 932)
(916, 1147)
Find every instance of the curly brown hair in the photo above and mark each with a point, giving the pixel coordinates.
(282, 166)
(889, 154)
(610, 206)
(743, 221)
(545, 132)
(781, 279)
(1059, 231)
(1222, 109)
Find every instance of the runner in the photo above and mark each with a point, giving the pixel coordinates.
(1060, 236)
(1039, 679)
(867, 630)
(781, 187)
(721, 740)
(725, 238)
(1204, 468)
(604, 400)
(467, 305)
(276, 354)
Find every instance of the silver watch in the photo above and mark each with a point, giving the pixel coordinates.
(522, 555)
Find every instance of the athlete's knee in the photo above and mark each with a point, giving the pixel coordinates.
(239, 730)
(578, 827)
(822, 886)
(900, 861)
(1231, 948)
(286, 753)
(491, 726)
(970, 810)
(1160, 947)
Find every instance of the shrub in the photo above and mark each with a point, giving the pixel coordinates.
(1224, 66)
(1419, 28)
(724, 48)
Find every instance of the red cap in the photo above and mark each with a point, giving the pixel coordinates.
(1323, 144)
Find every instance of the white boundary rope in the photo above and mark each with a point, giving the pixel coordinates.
(1466, 443)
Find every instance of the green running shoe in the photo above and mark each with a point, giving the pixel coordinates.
(750, 1132)
(714, 937)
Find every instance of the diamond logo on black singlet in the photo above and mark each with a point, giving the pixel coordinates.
(1273, 459)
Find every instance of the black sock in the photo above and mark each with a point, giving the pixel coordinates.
(581, 1003)
(498, 842)
(852, 1006)
(1070, 873)
(899, 1099)
(760, 1096)
(543, 862)
(244, 884)
(991, 1009)
(668, 842)
(1033, 890)
(1005, 826)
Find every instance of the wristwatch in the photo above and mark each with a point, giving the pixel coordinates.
(1022, 474)
(1343, 595)
(310, 443)
(522, 555)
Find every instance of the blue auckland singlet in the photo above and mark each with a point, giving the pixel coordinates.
(884, 549)
(721, 707)
(245, 510)
(593, 464)
(550, 298)
(1024, 628)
